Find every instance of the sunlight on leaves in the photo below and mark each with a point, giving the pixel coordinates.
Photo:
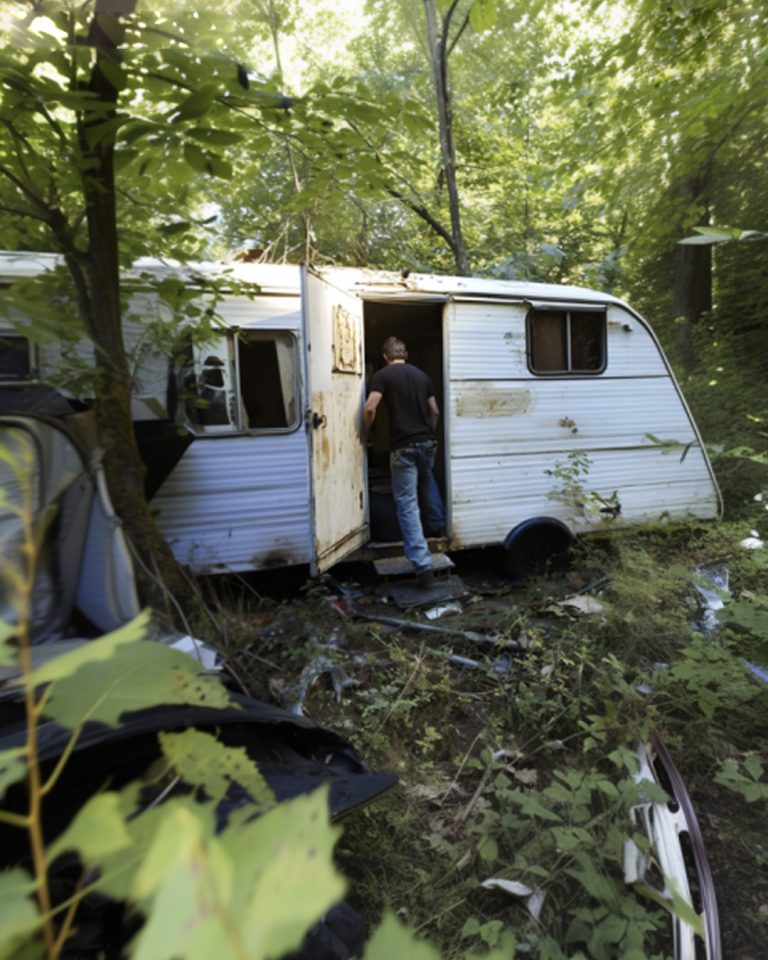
(201, 760)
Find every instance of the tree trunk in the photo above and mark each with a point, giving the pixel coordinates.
(692, 287)
(96, 274)
(438, 55)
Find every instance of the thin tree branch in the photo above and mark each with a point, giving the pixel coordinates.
(21, 186)
(457, 37)
(425, 215)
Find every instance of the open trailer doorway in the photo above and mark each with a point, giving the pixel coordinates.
(420, 325)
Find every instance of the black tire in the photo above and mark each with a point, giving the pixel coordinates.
(535, 544)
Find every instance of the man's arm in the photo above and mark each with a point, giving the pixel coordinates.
(369, 411)
(433, 412)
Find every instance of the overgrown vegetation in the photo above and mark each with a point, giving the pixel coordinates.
(587, 139)
(522, 771)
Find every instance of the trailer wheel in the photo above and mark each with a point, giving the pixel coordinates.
(532, 544)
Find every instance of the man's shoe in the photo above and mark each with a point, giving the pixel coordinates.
(425, 579)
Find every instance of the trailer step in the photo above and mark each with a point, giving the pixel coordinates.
(399, 566)
(407, 593)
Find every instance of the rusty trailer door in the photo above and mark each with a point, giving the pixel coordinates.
(335, 376)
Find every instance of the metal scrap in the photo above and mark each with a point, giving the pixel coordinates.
(311, 674)
(476, 638)
(663, 824)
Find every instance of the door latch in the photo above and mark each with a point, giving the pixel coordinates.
(318, 420)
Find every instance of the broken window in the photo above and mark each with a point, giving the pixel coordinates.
(566, 341)
(205, 378)
(15, 357)
(247, 380)
(267, 368)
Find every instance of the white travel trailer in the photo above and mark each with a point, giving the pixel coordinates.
(560, 414)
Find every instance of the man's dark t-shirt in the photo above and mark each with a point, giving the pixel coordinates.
(405, 389)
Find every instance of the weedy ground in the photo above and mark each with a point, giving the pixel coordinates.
(521, 768)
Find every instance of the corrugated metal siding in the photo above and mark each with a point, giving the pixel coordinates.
(507, 428)
(491, 495)
(487, 342)
(242, 312)
(517, 416)
(238, 503)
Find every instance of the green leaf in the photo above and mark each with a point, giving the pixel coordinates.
(198, 159)
(113, 72)
(92, 652)
(97, 831)
(134, 129)
(531, 806)
(19, 919)
(13, 767)
(612, 929)
(216, 138)
(720, 233)
(138, 675)
(197, 103)
(678, 906)
(298, 882)
(392, 940)
(754, 767)
(171, 229)
(201, 760)
(219, 168)
(482, 15)
(259, 884)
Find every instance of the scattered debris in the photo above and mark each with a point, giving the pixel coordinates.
(582, 604)
(711, 584)
(447, 610)
(534, 899)
(477, 638)
(311, 674)
(753, 541)
(206, 656)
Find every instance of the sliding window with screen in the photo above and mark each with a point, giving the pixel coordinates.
(566, 341)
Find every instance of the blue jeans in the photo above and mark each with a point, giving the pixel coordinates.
(412, 481)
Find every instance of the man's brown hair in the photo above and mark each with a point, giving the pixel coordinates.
(394, 349)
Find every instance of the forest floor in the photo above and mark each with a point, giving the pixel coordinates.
(587, 661)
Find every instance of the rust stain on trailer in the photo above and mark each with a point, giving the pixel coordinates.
(275, 557)
(484, 400)
(347, 355)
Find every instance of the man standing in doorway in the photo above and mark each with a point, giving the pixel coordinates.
(413, 414)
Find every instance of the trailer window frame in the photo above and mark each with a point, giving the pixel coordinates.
(238, 404)
(261, 335)
(567, 314)
(30, 372)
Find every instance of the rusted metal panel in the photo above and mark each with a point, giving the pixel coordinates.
(565, 415)
(347, 341)
(333, 325)
(481, 399)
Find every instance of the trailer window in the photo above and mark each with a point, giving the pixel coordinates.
(268, 380)
(15, 357)
(566, 341)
